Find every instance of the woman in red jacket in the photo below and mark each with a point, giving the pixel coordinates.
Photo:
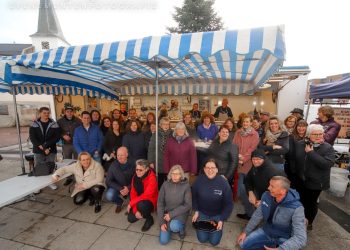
(143, 195)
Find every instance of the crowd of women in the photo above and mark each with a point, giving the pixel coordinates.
(128, 156)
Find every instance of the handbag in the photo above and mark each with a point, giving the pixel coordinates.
(43, 168)
(205, 225)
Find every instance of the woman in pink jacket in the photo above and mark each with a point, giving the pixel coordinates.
(247, 140)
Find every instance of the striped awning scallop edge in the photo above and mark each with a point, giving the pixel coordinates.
(240, 57)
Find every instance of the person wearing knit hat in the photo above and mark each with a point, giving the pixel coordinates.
(258, 178)
(259, 153)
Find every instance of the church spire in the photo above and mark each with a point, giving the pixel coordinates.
(48, 24)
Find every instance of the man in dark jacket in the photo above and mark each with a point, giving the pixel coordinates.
(257, 179)
(283, 220)
(88, 137)
(68, 123)
(330, 126)
(223, 112)
(314, 159)
(44, 134)
(119, 178)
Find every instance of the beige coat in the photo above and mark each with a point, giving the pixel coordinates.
(94, 175)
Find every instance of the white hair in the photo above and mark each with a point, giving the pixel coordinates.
(180, 125)
(314, 127)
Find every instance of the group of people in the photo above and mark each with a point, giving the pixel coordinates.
(280, 168)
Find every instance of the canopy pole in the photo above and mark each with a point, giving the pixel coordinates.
(157, 128)
(18, 131)
(308, 109)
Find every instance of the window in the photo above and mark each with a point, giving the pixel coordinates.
(4, 109)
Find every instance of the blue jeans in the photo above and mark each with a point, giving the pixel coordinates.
(258, 239)
(248, 207)
(212, 237)
(175, 226)
(113, 196)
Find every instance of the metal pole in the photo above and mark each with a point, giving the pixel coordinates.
(157, 92)
(18, 131)
(308, 109)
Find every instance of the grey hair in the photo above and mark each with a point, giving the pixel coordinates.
(313, 127)
(164, 119)
(176, 167)
(180, 125)
(142, 162)
(285, 183)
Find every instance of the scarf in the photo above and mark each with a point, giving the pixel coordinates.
(138, 185)
(180, 139)
(246, 132)
(272, 137)
(163, 137)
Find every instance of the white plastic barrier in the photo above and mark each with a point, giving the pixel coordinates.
(339, 181)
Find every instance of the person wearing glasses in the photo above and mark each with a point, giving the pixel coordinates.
(174, 204)
(89, 180)
(211, 201)
(314, 158)
(330, 126)
(143, 195)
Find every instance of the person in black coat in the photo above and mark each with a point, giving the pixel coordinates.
(44, 134)
(314, 159)
(298, 134)
(225, 154)
(118, 179)
(112, 141)
(258, 178)
(134, 140)
(275, 142)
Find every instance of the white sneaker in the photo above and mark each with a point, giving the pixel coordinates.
(53, 186)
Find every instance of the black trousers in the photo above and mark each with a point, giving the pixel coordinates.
(308, 198)
(161, 179)
(94, 194)
(144, 207)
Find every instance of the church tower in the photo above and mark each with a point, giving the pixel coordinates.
(49, 34)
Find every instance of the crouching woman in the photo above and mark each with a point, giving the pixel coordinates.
(174, 204)
(212, 202)
(89, 177)
(143, 195)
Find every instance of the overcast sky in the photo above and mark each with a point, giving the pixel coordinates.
(316, 32)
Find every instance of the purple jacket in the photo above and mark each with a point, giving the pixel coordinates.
(183, 153)
(331, 129)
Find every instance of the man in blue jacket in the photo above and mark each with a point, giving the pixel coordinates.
(88, 137)
(283, 220)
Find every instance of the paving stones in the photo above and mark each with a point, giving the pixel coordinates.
(80, 235)
(43, 232)
(87, 213)
(16, 224)
(60, 208)
(9, 245)
(7, 212)
(111, 219)
(117, 239)
(149, 242)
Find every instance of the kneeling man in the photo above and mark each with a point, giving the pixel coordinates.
(283, 220)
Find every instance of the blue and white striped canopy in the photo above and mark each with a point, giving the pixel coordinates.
(41, 81)
(220, 62)
(30, 88)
